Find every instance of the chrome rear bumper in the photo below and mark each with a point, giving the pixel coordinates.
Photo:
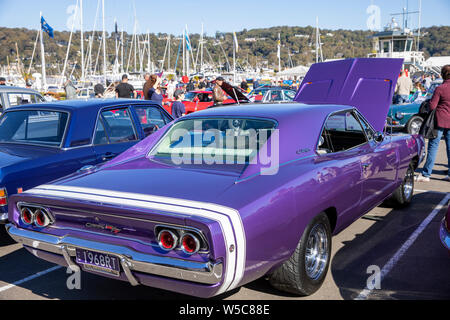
(197, 272)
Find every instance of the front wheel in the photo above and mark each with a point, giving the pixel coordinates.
(304, 273)
(402, 197)
(414, 125)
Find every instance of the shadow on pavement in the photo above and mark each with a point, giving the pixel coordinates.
(422, 272)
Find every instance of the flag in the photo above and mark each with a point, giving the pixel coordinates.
(279, 47)
(188, 42)
(46, 28)
(236, 42)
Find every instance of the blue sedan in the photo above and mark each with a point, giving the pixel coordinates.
(41, 143)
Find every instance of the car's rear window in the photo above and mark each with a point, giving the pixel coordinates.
(213, 141)
(33, 127)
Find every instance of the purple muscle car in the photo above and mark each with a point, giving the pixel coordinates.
(228, 195)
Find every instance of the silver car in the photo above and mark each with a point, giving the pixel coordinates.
(15, 96)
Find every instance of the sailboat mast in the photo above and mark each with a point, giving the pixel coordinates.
(82, 43)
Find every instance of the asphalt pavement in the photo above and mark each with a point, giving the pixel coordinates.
(388, 254)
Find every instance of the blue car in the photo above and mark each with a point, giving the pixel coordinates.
(41, 143)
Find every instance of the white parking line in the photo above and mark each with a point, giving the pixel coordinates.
(34, 276)
(363, 295)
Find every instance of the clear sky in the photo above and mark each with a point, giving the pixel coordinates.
(233, 15)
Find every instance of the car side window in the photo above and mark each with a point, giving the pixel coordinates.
(100, 136)
(151, 119)
(367, 128)
(342, 132)
(118, 125)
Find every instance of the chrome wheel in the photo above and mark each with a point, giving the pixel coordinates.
(415, 126)
(408, 184)
(316, 258)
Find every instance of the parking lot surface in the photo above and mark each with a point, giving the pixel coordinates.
(402, 244)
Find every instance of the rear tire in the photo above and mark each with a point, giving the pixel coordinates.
(304, 273)
(403, 195)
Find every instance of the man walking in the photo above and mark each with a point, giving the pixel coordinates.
(403, 89)
(125, 90)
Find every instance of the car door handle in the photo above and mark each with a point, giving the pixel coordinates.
(108, 156)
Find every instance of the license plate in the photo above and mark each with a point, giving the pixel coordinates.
(99, 262)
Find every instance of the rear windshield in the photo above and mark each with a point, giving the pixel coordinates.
(213, 141)
(33, 127)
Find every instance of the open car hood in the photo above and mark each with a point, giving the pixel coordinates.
(366, 84)
(234, 92)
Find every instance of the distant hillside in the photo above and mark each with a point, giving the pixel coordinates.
(258, 47)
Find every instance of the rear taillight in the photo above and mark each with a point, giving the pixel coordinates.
(37, 216)
(187, 240)
(41, 219)
(3, 197)
(26, 216)
(167, 240)
(190, 244)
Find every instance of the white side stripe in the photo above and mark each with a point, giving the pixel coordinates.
(228, 218)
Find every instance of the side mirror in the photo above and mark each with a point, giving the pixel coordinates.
(378, 137)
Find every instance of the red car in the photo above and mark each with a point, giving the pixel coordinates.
(198, 100)
(444, 231)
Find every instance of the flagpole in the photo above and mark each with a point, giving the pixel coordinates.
(234, 58)
(44, 74)
(83, 76)
(104, 41)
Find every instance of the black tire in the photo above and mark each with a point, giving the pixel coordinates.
(414, 125)
(402, 197)
(292, 276)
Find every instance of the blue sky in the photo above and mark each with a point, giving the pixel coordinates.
(172, 15)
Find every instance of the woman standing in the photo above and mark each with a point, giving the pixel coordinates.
(155, 93)
(440, 102)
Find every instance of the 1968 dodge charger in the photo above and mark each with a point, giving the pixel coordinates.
(228, 195)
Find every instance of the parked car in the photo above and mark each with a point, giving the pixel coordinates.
(41, 143)
(163, 215)
(444, 231)
(15, 96)
(405, 117)
(272, 95)
(198, 100)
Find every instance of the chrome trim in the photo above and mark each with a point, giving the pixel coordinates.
(208, 273)
(3, 217)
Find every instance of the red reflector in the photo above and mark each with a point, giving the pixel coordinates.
(3, 201)
(40, 218)
(167, 240)
(27, 216)
(190, 244)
